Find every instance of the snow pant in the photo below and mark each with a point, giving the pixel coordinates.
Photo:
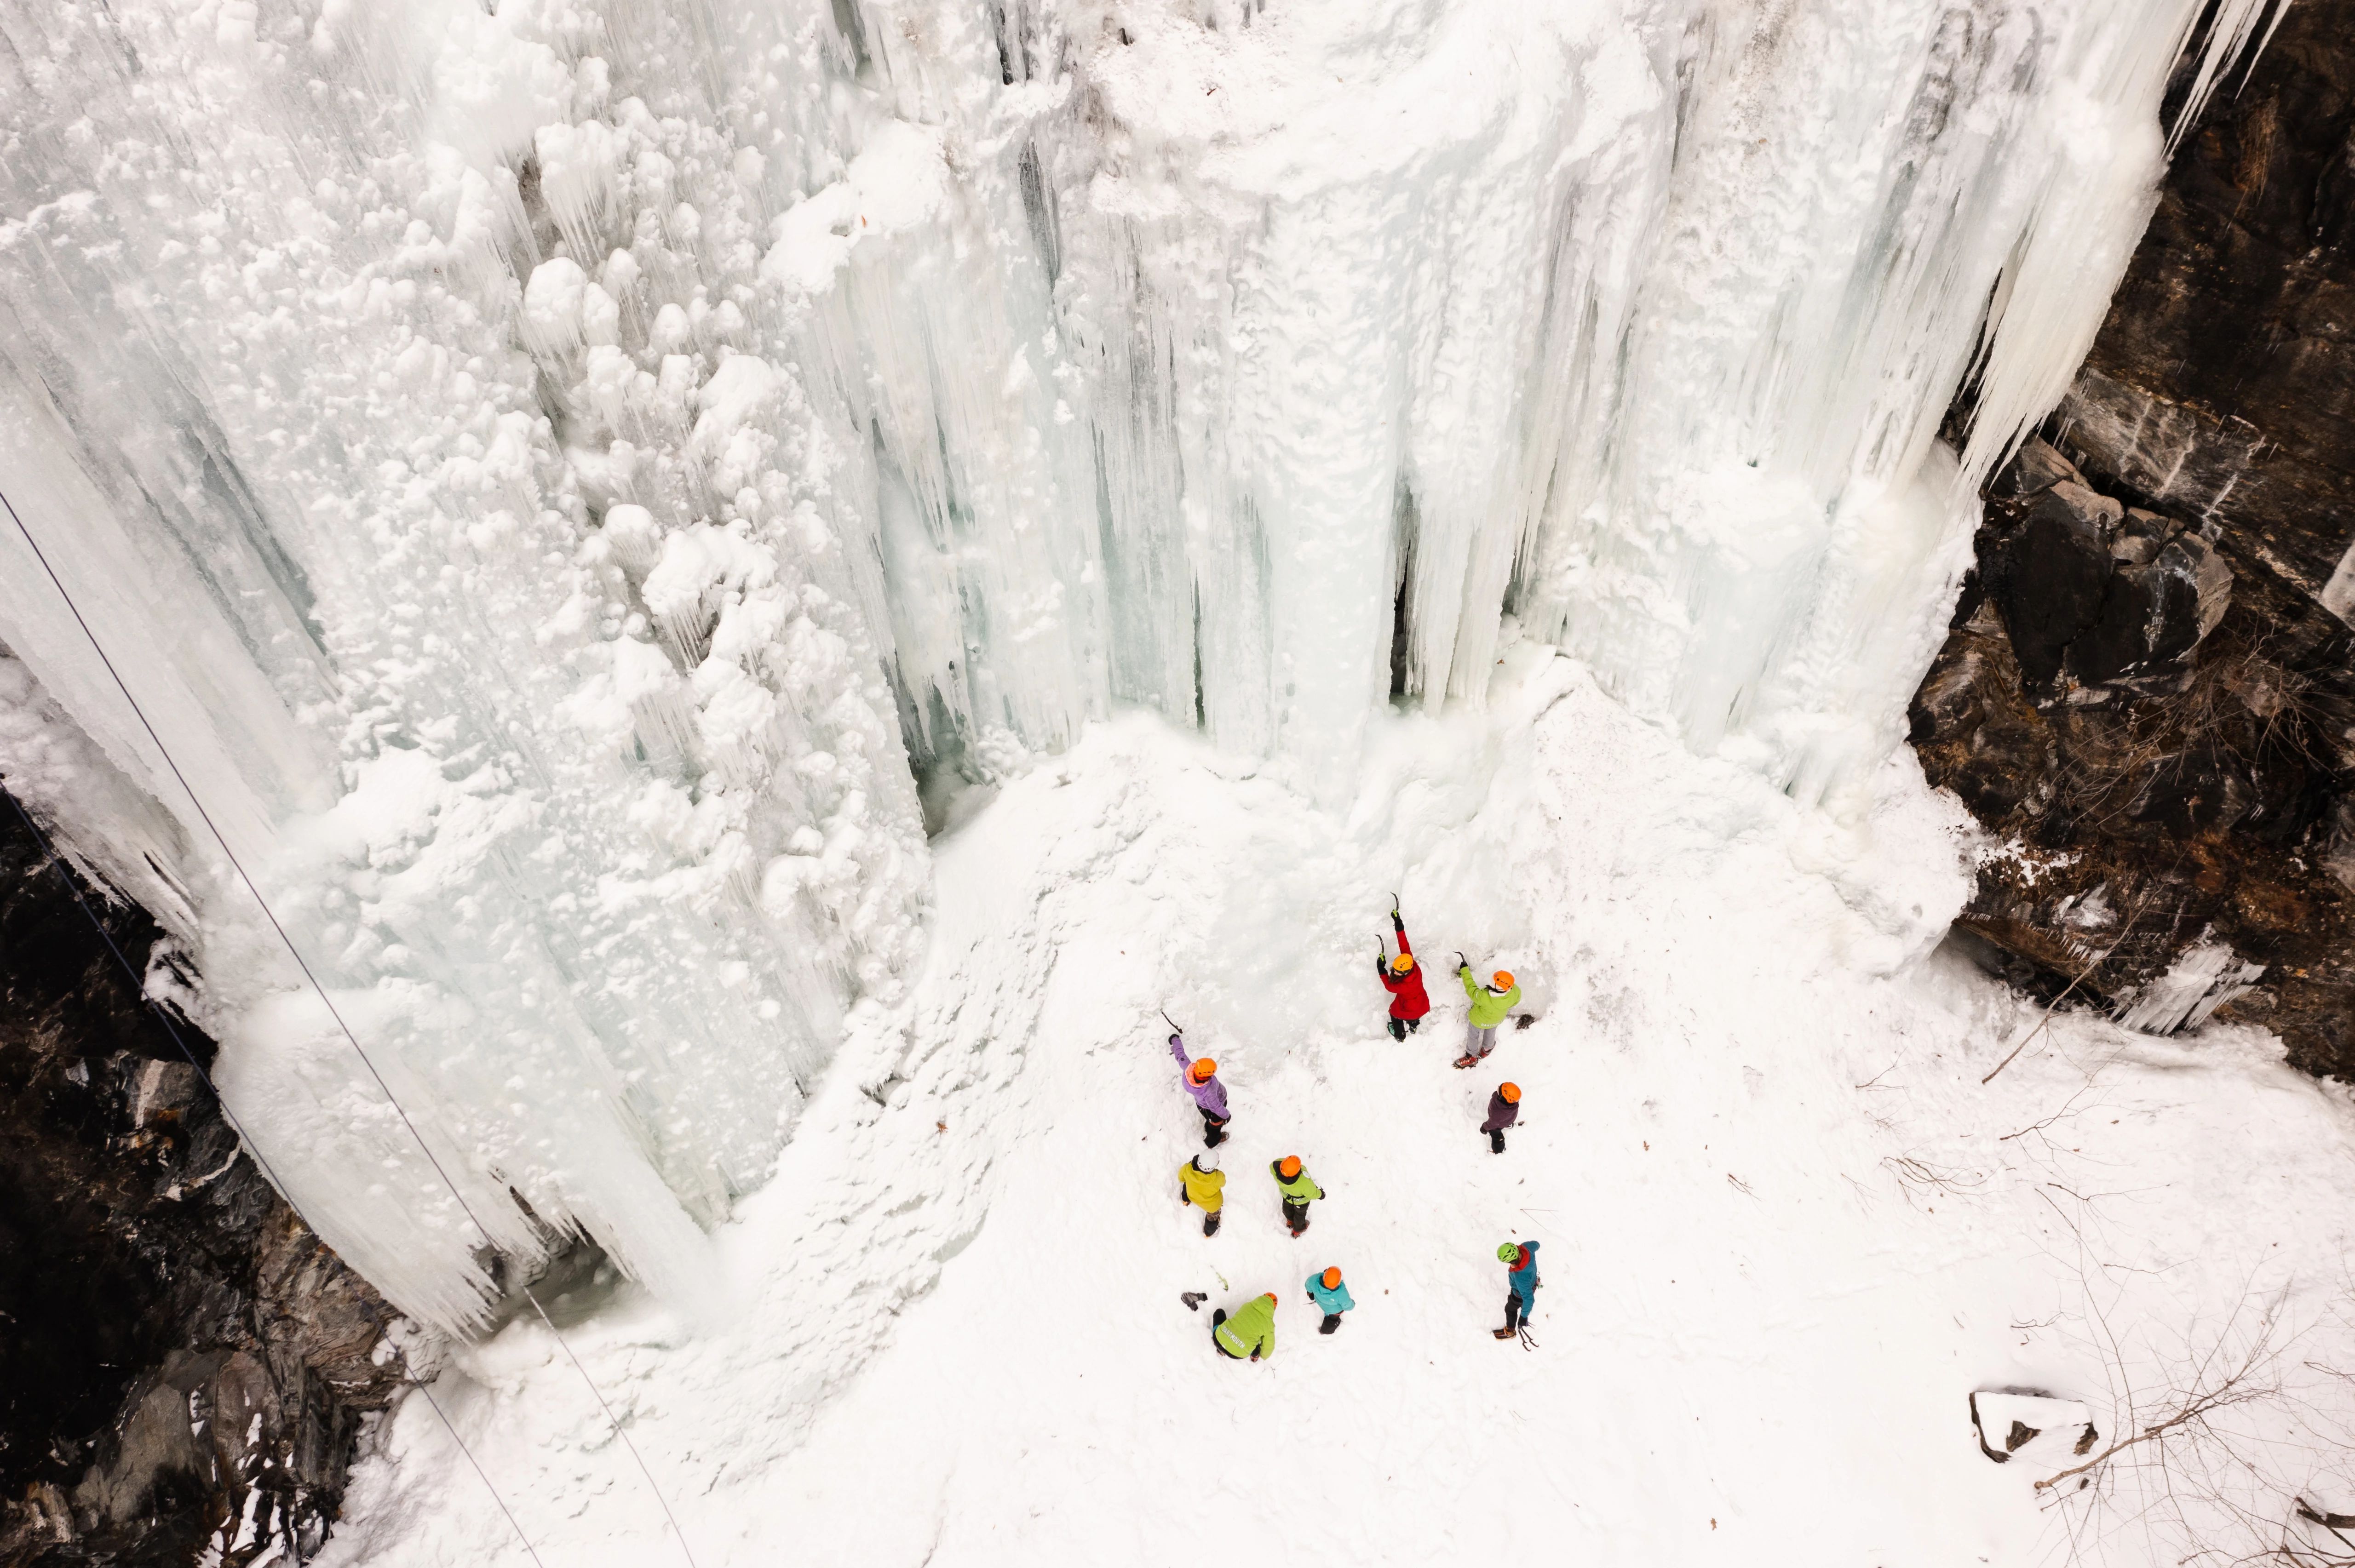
(1332, 1321)
(1295, 1214)
(1218, 1316)
(1402, 1027)
(1496, 1141)
(1214, 1129)
(1479, 1042)
(1515, 1309)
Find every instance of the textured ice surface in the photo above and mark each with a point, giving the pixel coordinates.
(537, 465)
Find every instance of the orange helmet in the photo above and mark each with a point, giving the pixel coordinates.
(1201, 1070)
(1502, 980)
(1332, 1276)
(1511, 1093)
(1402, 963)
(1288, 1167)
(1268, 1296)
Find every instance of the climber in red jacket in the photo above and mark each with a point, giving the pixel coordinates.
(1402, 978)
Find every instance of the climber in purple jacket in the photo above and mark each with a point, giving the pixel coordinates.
(1209, 1095)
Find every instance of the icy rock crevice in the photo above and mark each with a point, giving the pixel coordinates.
(524, 461)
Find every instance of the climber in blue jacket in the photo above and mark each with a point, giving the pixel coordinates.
(1520, 1260)
(1331, 1297)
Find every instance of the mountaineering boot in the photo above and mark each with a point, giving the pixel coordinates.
(1211, 1225)
(1467, 1061)
(1505, 1333)
(1332, 1321)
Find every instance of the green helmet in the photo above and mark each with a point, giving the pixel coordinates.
(1508, 1253)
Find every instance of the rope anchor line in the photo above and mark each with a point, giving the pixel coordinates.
(391, 1098)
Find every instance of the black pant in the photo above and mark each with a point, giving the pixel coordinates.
(1211, 1223)
(1332, 1321)
(1402, 1027)
(1496, 1141)
(1218, 1316)
(1214, 1130)
(1513, 1312)
(1295, 1214)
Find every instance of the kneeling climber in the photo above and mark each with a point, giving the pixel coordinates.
(1292, 1181)
(1250, 1334)
(1331, 1297)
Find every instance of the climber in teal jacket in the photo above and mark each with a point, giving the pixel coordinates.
(1250, 1334)
(1520, 1261)
(1331, 1297)
(1490, 1003)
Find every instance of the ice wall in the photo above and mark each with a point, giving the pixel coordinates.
(493, 605)
(557, 476)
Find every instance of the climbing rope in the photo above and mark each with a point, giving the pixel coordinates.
(391, 1098)
(165, 1018)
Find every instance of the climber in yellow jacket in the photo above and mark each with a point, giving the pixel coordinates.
(1202, 1183)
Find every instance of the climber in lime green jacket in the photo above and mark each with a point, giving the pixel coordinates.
(1292, 1181)
(1490, 1003)
(1250, 1334)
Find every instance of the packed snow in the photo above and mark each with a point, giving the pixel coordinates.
(1785, 1232)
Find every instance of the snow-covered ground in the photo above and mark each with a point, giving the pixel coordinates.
(1785, 1231)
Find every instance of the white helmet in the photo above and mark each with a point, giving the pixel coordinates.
(1207, 1162)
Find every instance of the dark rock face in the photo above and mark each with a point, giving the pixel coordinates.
(2221, 386)
(2148, 688)
(184, 1367)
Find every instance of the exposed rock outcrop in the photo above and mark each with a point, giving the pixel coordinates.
(2170, 736)
(2168, 787)
(184, 1366)
(2148, 688)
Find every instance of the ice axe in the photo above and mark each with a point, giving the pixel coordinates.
(1174, 1026)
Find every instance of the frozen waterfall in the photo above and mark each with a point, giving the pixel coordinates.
(560, 477)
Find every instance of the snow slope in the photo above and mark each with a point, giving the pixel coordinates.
(953, 1333)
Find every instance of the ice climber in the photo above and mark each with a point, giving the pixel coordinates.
(1203, 1184)
(1402, 978)
(1209, 1095)
(1250, 1334)
(1490, 1004)
(1521, 1273)
(1331, 1297)
(1292, 1181)
(1504, 1109)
